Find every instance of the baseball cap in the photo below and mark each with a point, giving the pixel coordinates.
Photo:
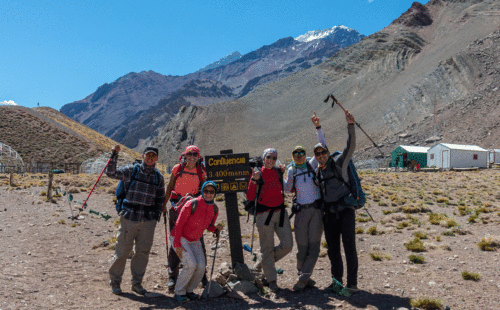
(151, 149)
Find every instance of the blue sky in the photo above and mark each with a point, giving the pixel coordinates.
(56, 52)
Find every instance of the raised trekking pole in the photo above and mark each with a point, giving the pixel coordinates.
(213, 263)
(257, 192)
(335, 101)
(84, 205)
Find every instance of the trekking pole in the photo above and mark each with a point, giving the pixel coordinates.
(369, 214)
(166, 231)
(213, 264)
(84, 205)
(335, 101)
(259, 185)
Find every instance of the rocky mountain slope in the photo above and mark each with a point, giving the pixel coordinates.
(440, 57)
(110, 109)
(47, 135)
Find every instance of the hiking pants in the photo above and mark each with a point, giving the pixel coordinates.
(270, 253)
(173, 259)
(142, 233)
(334, 227)
(308, 231)
(194, 263)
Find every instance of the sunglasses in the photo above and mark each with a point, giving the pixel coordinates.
(271, 157)
(321, 153)
(151, 155)
(191, 154)
(300, 153)
(210, 192)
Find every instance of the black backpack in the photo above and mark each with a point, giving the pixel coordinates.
(357, 197)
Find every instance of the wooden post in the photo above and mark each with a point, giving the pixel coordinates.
(11, 177)
(233, 225)
(49, 189)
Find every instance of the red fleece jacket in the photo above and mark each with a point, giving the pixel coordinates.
(191, 226)
(270, 195)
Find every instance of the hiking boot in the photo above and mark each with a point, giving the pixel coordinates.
(258, 264)
(181, 298)
(353, 289)
(311, 283)
(273, 286)
(116, 289)
(171, 284)
(300, 286)
(139, 289)
(192, 296)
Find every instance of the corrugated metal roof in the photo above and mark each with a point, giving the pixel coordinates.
(415, 149)
(463, 147)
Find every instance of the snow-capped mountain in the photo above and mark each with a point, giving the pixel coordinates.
(10, 102)
(222, 62)
(341, 35)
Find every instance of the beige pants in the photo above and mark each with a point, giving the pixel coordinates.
(308, 230)
(270, 253)
(194, 263)
(142, 233)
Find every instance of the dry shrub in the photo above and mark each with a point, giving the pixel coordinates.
(426, 303)
(471, 276)
(436, 218)
(73, 190)
(415, 245)
(489, 243)
(398, 217)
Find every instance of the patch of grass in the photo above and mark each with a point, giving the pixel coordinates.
(438, 238)
(475, 276)
(426, 303)
(437, 192)
(359, 230)
(372, 230)
(420, 235)
(417, 259)
(415, 245)
(255, 236)
(403, 225)
(472, 219)
(62, 222)
(464, 210)
(43, 193)
(442, 200)
(450, 223)
(382, 204)
(117, 222)
(362, 219)
(386, 212)
(377, 256)
(436, 218)
(324, 244)
(448, 233)
(489, 243)
(416, 209)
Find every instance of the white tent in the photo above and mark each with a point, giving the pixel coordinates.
(447, 155)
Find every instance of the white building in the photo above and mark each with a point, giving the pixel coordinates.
(446, 155)
(494, 156)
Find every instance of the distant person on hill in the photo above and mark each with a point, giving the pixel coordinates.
(271, 216)
(186, 236)
(187, 178)
(141, 210)
(307, 205)
(339, 218)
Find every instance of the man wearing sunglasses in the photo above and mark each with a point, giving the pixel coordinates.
(141, 210)
(271, 216)
(339, 218)
(308, 228)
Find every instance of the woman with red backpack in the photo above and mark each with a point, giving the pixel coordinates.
(195, 216)
(187, 178)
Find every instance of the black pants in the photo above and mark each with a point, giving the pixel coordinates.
(334, 227)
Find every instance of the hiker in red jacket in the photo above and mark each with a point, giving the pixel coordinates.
(186, 237)
(186, 178)
(271, 216)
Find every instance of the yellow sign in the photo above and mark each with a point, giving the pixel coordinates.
(234, 187)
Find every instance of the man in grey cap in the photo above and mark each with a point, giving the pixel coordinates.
(339, 218)
(141, 209)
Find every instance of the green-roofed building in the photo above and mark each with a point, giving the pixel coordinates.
(404, 155)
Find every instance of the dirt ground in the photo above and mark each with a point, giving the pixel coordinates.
(49, 261)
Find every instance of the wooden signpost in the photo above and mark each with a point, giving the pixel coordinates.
(231, 173)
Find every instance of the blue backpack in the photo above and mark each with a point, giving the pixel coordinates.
(121, 191)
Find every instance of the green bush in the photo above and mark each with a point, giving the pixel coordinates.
(417, 259)
(471, 276)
